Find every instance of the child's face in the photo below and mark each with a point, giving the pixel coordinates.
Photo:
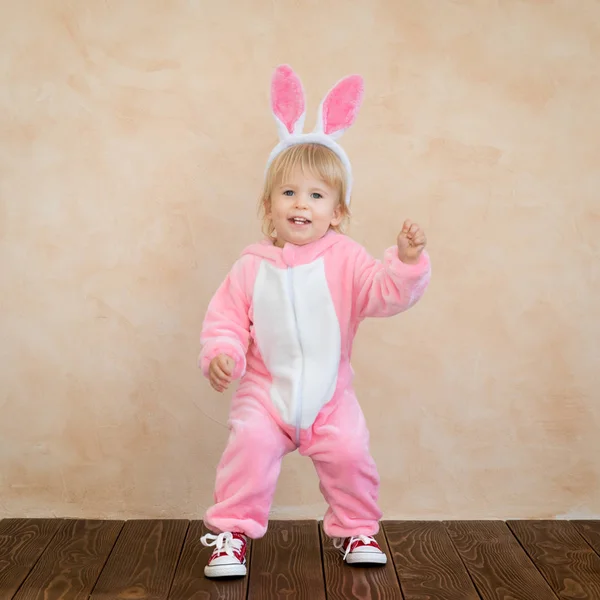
(303, 208)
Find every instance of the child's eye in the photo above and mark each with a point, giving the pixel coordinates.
(288, 193)
(316, 195)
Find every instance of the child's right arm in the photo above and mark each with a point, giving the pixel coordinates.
(225, 329)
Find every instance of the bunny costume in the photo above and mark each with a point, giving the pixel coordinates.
(288, 317)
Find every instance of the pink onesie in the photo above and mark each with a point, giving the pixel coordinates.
(288, 317)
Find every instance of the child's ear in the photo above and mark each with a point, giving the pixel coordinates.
(336, 219)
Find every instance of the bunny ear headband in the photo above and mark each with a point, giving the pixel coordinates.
(337, 113)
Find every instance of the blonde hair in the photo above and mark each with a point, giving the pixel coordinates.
(316, 159)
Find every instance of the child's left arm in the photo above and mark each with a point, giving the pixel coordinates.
(386, 288)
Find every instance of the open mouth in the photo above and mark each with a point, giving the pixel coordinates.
(299, 221)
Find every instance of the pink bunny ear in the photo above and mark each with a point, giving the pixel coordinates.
(341, 105)
(287, 97)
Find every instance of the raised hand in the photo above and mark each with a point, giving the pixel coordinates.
(411, 242)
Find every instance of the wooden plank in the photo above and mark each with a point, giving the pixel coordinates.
(590, 530)
(286, 563)
(427, 564)
(562, 556)
(143, 561)
(190, 582)
(498, 565)
(22, 542)
(343, 581)
(72, 562)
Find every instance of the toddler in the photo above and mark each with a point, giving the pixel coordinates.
(283, 323)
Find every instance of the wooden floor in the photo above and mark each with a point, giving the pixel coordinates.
(159, 560)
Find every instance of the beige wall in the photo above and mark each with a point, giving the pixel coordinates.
(131, 132)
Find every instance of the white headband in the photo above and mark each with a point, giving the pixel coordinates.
(337, 113)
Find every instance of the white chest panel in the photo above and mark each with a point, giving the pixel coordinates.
(298, 335)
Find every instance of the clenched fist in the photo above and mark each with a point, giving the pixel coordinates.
(220, 371)
(411, 242)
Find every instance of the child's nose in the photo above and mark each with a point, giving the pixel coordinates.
(300, 200)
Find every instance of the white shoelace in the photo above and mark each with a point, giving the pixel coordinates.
(339, 543)
(224, 542)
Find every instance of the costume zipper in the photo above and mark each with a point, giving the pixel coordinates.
(298, 403)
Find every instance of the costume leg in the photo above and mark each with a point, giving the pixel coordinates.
(248, 470)
(349, 481)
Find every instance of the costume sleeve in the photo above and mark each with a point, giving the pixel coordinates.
(386, 288)
(226, 325)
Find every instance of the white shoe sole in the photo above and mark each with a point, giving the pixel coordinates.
(366, 558)
(224, 571)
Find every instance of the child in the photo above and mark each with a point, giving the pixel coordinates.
(283, 322)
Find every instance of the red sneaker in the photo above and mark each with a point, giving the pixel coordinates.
(361, 549)
(229, 556)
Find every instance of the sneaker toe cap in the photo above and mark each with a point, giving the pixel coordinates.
(222, 561)
(367, 550)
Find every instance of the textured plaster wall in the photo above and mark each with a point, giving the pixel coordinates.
(133, 137)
